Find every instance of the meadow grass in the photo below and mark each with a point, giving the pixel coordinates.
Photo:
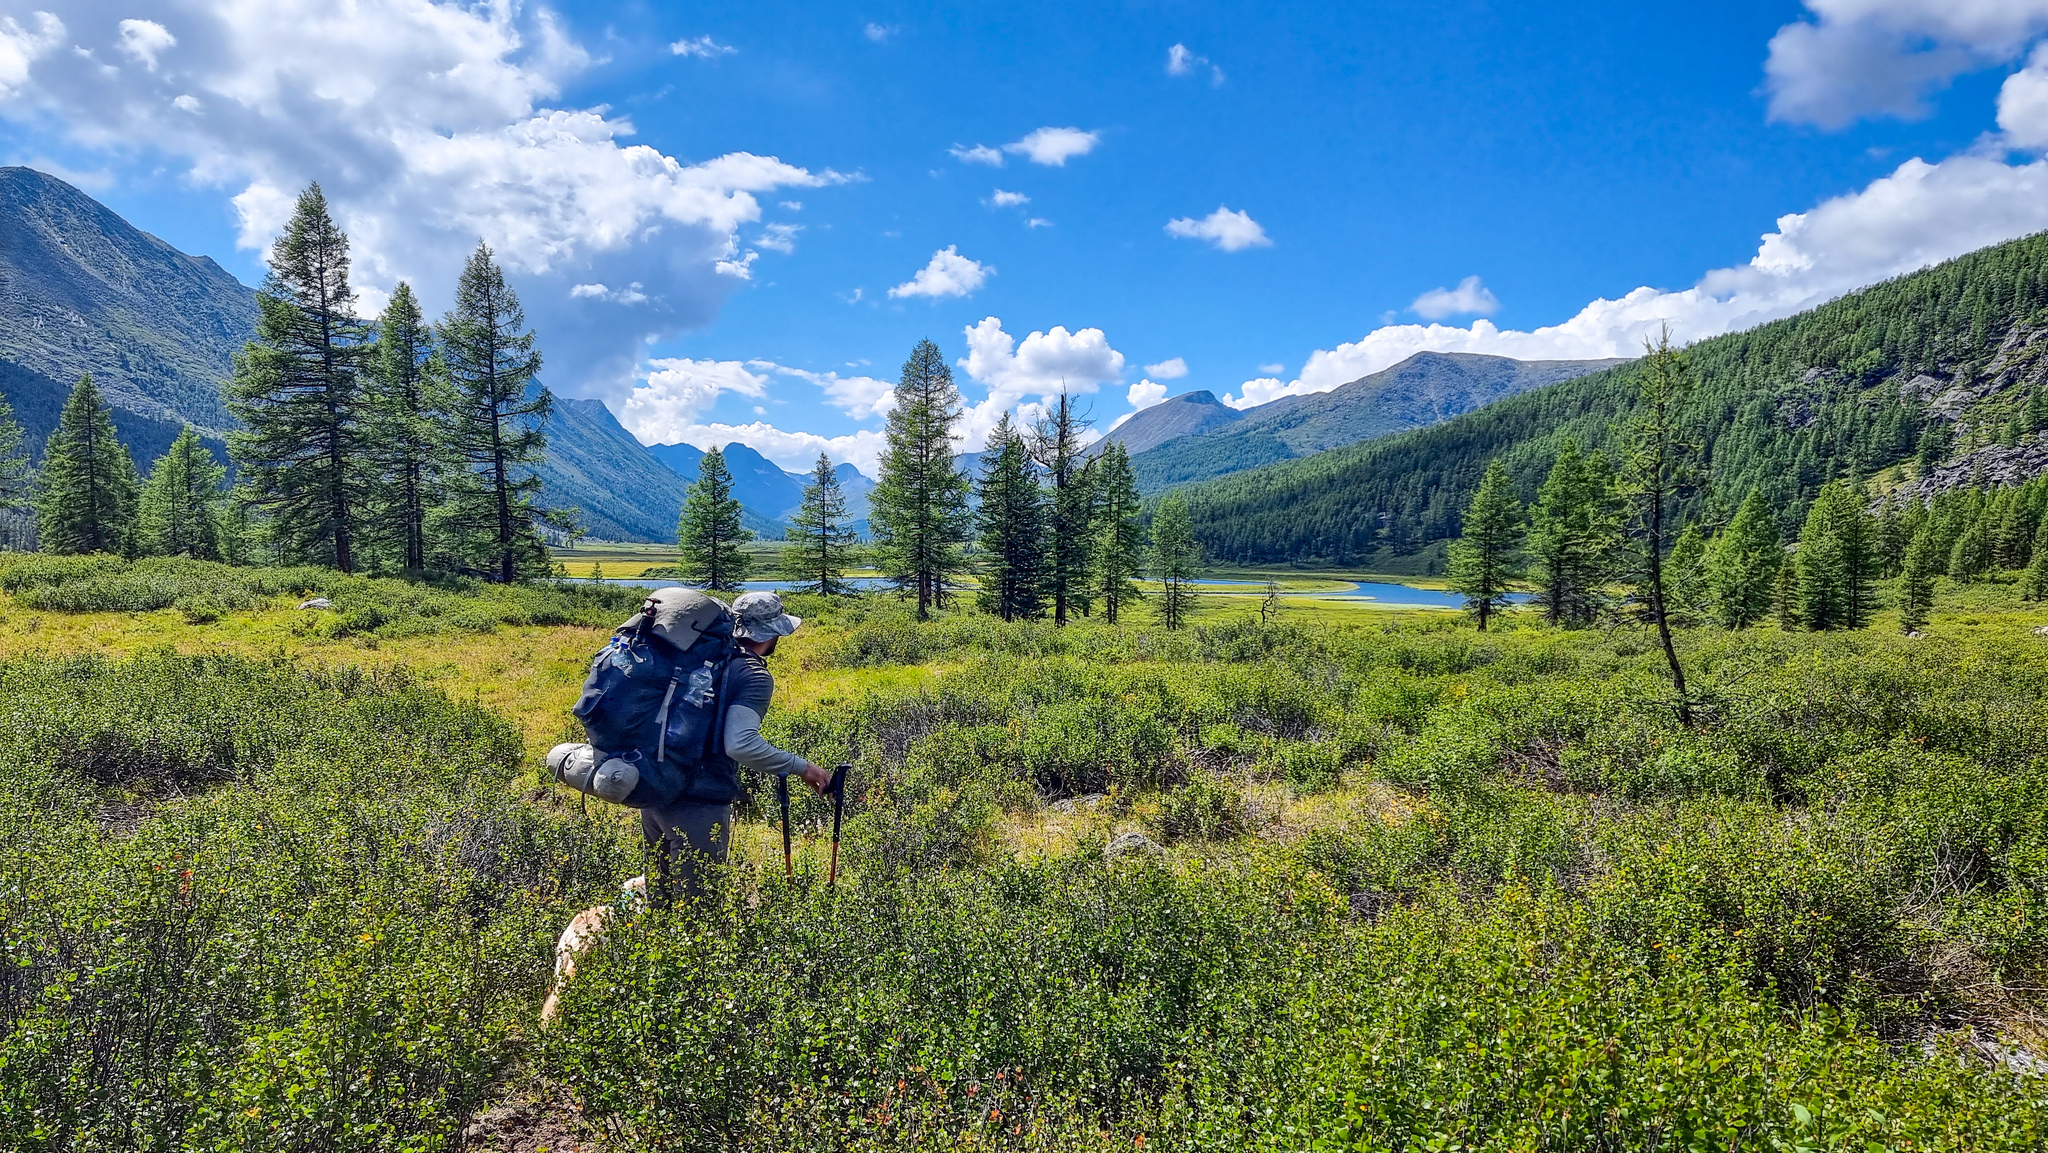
(286, 885)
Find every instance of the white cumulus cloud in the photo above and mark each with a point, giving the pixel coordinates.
(1039, 366)
(1145, 394)
(21, 46)
(1227, 230)
(857, 396)
(947, 274)
(1171, 369)
(703, 47)
(1002, 199)
(1857, 58)
(143, 39)
(1470, 298)
(429, 124)
(779, 237)
(1920, 214)
(2023, 104)
(1054, 146)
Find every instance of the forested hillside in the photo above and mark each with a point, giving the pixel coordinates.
(1906, 375)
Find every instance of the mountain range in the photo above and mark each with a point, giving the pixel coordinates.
(82, 290)
(1194, 436)
(1884, 385)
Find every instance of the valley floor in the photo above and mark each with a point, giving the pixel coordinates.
(1353, 877)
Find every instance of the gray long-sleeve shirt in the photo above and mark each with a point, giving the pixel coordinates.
(752, 687)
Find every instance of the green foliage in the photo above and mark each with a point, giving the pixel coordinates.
(1916, 582)
(820, 544)
(410, 410)
(1070, 509)
(1010, 519)
(1486, 560)
(248, 906)
(1742, 569)
(363, 606)
(918, 509)
(1572, 530)
(1837, 563)
(1175, 553)
(1119, 548)
(86, 501)
(179, 510)
(298, 392)
(709, 532)
(490, 515)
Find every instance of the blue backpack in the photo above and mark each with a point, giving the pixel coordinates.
(653, 714)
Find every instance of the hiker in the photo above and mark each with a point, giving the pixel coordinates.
(697, 824)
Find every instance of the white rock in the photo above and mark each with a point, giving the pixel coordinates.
(316, 603)
(1126, 844)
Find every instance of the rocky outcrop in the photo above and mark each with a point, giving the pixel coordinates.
(1993, 466)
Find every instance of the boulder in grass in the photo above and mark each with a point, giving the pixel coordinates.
(1132, 844)
(2041, 630)
(316, 603)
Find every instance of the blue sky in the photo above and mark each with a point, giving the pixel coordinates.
(707, 207)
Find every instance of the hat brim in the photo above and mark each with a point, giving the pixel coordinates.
(780, 625)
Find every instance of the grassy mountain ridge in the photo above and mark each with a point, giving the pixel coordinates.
(1425, 389)
(1849, 386)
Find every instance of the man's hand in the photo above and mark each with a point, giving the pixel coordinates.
(818, 777)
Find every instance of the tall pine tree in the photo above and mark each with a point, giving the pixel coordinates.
(1916, 581)
(1571, 538)
(88, 493)
(409, 410)
(1838, 562)
(918, 509)
(820, 547)
(1119, 538)
(1012, 531)
(1691, 598)
(1175, 555)
(180, 505)
(1659, 468)
(496, 438)
(709, 532)
(1056, 445)
(1743, 570)
(297, 390)
(1486, 559)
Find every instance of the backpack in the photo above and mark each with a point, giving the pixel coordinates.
(651, 706)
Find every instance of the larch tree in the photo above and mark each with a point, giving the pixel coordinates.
(179, 511)
(1691, 599)
(1011, 526)
(709, 533)
(1175, 556)
(87, 498)
(2034, 582)
(1658, 468)
(297, 390)
(1571, 538)
(820, 547)
(1119, 537)
(1838, 562)
(918, 509)
(1486, 559)
(410, 412)
(1056, 445)
(496, 439)
(1922, 565)
(1743, 568)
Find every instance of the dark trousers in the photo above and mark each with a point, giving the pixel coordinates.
(684, 836)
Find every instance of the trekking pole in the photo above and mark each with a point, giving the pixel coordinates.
(838, 790)
(782, 792)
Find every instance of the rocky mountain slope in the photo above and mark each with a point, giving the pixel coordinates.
(1425, 389)
(82, 290)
